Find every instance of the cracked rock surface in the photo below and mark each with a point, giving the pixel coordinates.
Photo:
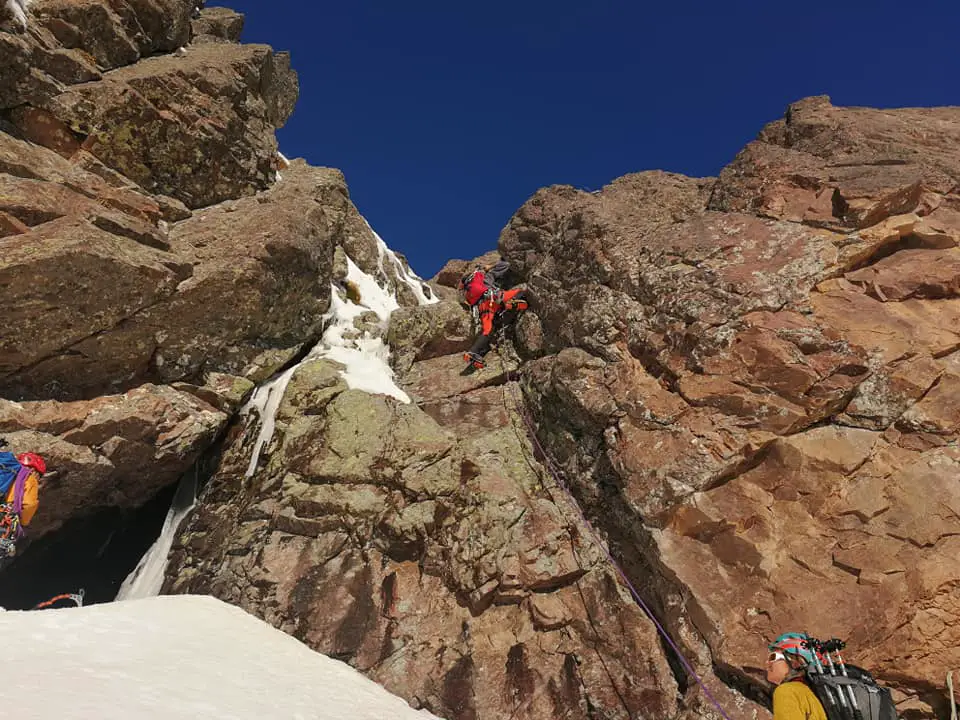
(760, 393)
(423, 544)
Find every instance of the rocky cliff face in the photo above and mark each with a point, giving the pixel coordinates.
(134, 325)
(758, 398)
(749, 383)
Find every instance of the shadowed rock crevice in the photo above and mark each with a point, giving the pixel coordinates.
(94, 553)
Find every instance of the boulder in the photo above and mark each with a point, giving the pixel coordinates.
(228, 293)
(843, 167)
(72, 42)
(428, 331)
(449, 275)
(198, 127)
(113, 451)
(116, 34)
(217, 24)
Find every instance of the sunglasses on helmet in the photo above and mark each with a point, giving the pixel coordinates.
(774, 656)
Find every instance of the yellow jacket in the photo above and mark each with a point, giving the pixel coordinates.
(795, 701)
(31, 497)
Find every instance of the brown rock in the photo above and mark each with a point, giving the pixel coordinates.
(9, 225)
(754, 369)
(174, 316)
(938, 411)
(912, 273)
(436, 566)
(438, 378)
(65, 259)
(115, 451)
(843, 167)
(840, 560)
(19, 82)
(888, 392)
(428, 331)
(42, 128)
(890, 331)
(759, 414)
(217, 24)
(449, 275)
(146, 121)
(117, 34)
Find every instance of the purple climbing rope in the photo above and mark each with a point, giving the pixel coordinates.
(18, 492)
(555, 472)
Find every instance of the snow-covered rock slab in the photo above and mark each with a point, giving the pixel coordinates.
(182, 656)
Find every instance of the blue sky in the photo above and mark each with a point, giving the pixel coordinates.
(446, 116)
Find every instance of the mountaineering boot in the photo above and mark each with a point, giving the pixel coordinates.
(474, 359)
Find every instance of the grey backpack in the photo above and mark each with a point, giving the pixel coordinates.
(851, 696)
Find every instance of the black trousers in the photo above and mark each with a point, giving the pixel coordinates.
(503, 319)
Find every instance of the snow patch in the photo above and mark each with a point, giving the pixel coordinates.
(176, 657)
(266, 399)
(365, 357)
(18, 8)
(372, 295)
(411, 279)
(147, 578)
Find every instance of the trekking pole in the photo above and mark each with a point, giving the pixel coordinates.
(834, 646)
(840, 645)
(837, 699)
(953, 698)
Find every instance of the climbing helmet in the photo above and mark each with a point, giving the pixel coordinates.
(795, 644)
(32, 460)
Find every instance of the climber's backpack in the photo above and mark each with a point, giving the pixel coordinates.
(475, 286)
(873, 702)
(9, 467)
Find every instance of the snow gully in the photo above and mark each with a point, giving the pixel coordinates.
(365, 360)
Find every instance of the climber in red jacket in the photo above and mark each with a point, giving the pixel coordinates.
(492, 307)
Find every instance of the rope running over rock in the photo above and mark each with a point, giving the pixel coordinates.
(556, 473)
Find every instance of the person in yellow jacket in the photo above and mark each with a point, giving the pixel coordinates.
(31, 489)
(792, 698)
(35, 467)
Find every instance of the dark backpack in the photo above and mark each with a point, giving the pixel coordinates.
(872, 702)
(9, 467)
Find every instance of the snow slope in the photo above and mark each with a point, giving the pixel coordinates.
(177, 657)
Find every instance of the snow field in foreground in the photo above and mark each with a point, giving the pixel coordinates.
(181, 656)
